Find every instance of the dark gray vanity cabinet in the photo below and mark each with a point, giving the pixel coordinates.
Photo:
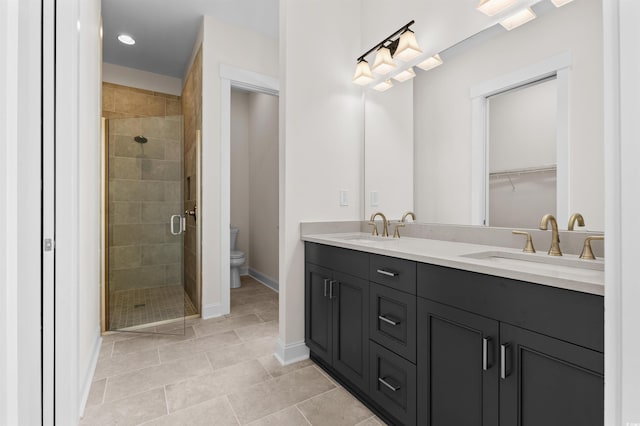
(337, 310)
(522, 353)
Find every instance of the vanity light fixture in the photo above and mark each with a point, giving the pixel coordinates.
(517, 19)
(363, 74)
(383, 85)
(126, 39)
(384, 62)
(405, 75)
(405, 48)
(430, 63)
(560, 3)
(493, 7)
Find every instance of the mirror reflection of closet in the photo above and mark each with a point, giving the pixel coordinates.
(522, 154)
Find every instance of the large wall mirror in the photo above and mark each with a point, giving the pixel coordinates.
(421, 137)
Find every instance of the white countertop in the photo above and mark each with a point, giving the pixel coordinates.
(452, 255)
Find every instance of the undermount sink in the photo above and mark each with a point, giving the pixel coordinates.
(365, 239)
(538, 260)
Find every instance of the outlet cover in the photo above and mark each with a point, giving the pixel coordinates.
(344, 197)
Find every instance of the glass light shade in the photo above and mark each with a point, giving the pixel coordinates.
(559, 3)
(408, 48)
(363, 74)
(493, 7)
(430, 63)
(126, 39)
(384, 62)
(405, 75)
(517, 19)
(383, 85)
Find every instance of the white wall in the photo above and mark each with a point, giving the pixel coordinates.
(20, 243)
(132, 77)
(321, 134)
(263, 187)
(240, 197)
(442, 144)
(78, 246)
(258, 54)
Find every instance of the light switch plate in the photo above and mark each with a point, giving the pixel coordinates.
(375, 201)
(344, 197)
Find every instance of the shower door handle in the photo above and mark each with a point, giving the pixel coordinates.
(179, 225)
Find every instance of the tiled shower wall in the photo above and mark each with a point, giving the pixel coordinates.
(192, 109)
(145, 187)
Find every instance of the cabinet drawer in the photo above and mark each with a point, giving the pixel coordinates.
(396, 273)
(393, 320)
(393, 384)
(350, 262)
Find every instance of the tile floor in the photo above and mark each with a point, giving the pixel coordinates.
(130, 308)
(221, 372)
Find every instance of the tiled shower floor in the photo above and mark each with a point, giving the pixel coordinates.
(130, 308)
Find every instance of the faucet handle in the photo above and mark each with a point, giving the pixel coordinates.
(528, 248)
(396, 231)
(587, 253)
(375, 228)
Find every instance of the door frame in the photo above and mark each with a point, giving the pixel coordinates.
(249, 81)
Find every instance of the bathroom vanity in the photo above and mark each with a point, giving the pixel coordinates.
(439, 333)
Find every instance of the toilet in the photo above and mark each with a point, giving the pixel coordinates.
(237, 259)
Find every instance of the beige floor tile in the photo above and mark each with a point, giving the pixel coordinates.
(96, 393)
(269, 315)
(252, 308)
(187, 348)
(227, 324)
(150, 341)
(243, 299)
(216, 412)
(221, 382)
(106, 349)
(122, 363)
(273, 366)
(258, 331)
(230, 355)
(345, 409)
(372, 421)
(288, 417)
(324, 373)
(116, 336)
(152, 377)
(273, 395)
(131, 410)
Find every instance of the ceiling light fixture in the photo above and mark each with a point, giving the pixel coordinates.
(405, 75)
(517, 19)
(383, 85)
(405, 48)
(493, 7)
(560, 3)
(430, 63)
(126, 39)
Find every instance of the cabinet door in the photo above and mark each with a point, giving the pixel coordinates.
(457, 367)
(350, 297)
(318, 311)
(548, 381)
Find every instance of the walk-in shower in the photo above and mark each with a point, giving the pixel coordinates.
(147, 229)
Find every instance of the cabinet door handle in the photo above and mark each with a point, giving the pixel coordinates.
(505, 351)
(387, 320)
(387, 273)
(388, 385)
(486, 341)
(331, 283)
(326, 281)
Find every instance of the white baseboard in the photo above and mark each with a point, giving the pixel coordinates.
(88, 375)
(269, 282)
(291, 353)
(213, 311)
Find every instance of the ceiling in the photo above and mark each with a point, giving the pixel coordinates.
(165, 30)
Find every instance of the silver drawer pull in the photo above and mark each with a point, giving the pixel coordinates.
(389, 385)
(387, 320)
(387, 273)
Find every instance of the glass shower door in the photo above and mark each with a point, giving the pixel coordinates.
(146, 225)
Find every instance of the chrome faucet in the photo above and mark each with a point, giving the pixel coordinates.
(385, 229)
(572, 221)
(554, 250)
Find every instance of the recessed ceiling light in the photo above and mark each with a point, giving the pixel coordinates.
(517, 19)
(126, 39)
(559, 3)
(493, 7)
